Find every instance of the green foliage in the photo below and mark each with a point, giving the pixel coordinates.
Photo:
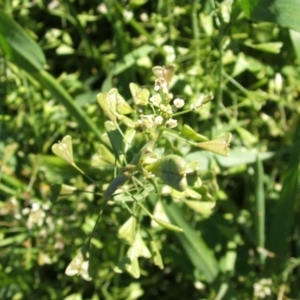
(140, 198)
(282, 12)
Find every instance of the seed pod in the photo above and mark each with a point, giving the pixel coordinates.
(64, 150)
(219, 146)
(140, 96)
(112, 103)
(167, 225)
(80, 265)
(190, 133)
(171, 169)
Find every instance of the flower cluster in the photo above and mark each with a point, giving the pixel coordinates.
(262, 288)
(160, 102)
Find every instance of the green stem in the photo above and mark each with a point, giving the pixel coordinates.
(259, 208)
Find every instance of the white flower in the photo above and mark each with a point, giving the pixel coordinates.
(158, 120)
(171, 123)
(178, 102)
(262, 288)
(36, 217)
(165, 89)
(155, 99)
(148, 121)
(145, 122)
(170, 96)
(161, 84)
(278, 82)
(127, 15)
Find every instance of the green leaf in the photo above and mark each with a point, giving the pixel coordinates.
(241, 156)
(21, 49)
(64, 150)
(295, 39)
(282, 12)
(171, 169)
(219, 146)
(284, 212)
(195, 247)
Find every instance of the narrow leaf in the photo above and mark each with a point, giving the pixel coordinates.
(195, 247)
(19, 46)
(60, 94)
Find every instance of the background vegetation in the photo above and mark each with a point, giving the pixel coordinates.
(248, 248)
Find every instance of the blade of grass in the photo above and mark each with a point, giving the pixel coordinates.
(62, 96)
(284, 211)
(27, 55)
(19, 46)
(194, 246)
